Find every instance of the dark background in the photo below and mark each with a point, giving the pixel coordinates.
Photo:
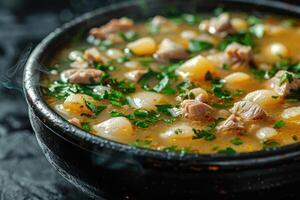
(24, 172)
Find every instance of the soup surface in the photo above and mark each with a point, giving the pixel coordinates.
(224, 83)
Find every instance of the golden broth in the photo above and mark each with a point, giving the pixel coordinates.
(157, 134)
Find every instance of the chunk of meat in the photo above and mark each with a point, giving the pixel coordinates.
(135, 75)
(232, 124)
(75, 121)
(114, 26)
(79, 64)
(248, 110)
(284, 82)
(82, 76)
(169, 49)
(94, 55)
(220, 25)
(236, 52)
(195, 109)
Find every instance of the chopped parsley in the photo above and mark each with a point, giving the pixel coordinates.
(165, 108)
(227, 151)
(253, 20)
(86, 126)
(218, 91)
(286, 77)
(177, 131)
(279, 124)
(236, 141)
(270, 145)
(105, 44)
(141, 143)
(197, 46)
(129, 36)
(140, 118)
(184, 86)
(207, 135)
(214, 123)
(244, 38)
(161, 81)
(94, 108)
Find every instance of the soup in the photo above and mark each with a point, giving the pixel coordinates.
(225, 83)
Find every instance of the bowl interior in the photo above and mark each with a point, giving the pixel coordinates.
(140, 10)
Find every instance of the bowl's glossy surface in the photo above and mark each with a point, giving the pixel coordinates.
(104, 168)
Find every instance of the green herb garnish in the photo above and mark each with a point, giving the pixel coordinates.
(279, 124)
(141, 143)
(86, 126)
(218, 91)
(286, 77)
(227, 151)
(196, 46)
(208, 135)
(244, 38)
(236, 141)
(270, 145)
(129, 36)
(94, 108)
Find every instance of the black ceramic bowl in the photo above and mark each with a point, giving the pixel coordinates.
(104, 168)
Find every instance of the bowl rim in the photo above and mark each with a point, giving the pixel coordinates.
(75, 135)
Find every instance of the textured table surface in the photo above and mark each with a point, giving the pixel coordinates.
(24, 171)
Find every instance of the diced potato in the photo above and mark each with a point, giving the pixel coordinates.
(188, 34)
(143, 46)
(132, 65)
(76, 104)
(196, 68)
(217, 59)
(61, 109)
(292, 114)
(266, 133)
(92, 54)
(236, 80)
(199, 94)
(265, 98)
(147, 100)
(114, 53)
(117, 128)
(275, 51)
(179, 131)
(239, 24)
